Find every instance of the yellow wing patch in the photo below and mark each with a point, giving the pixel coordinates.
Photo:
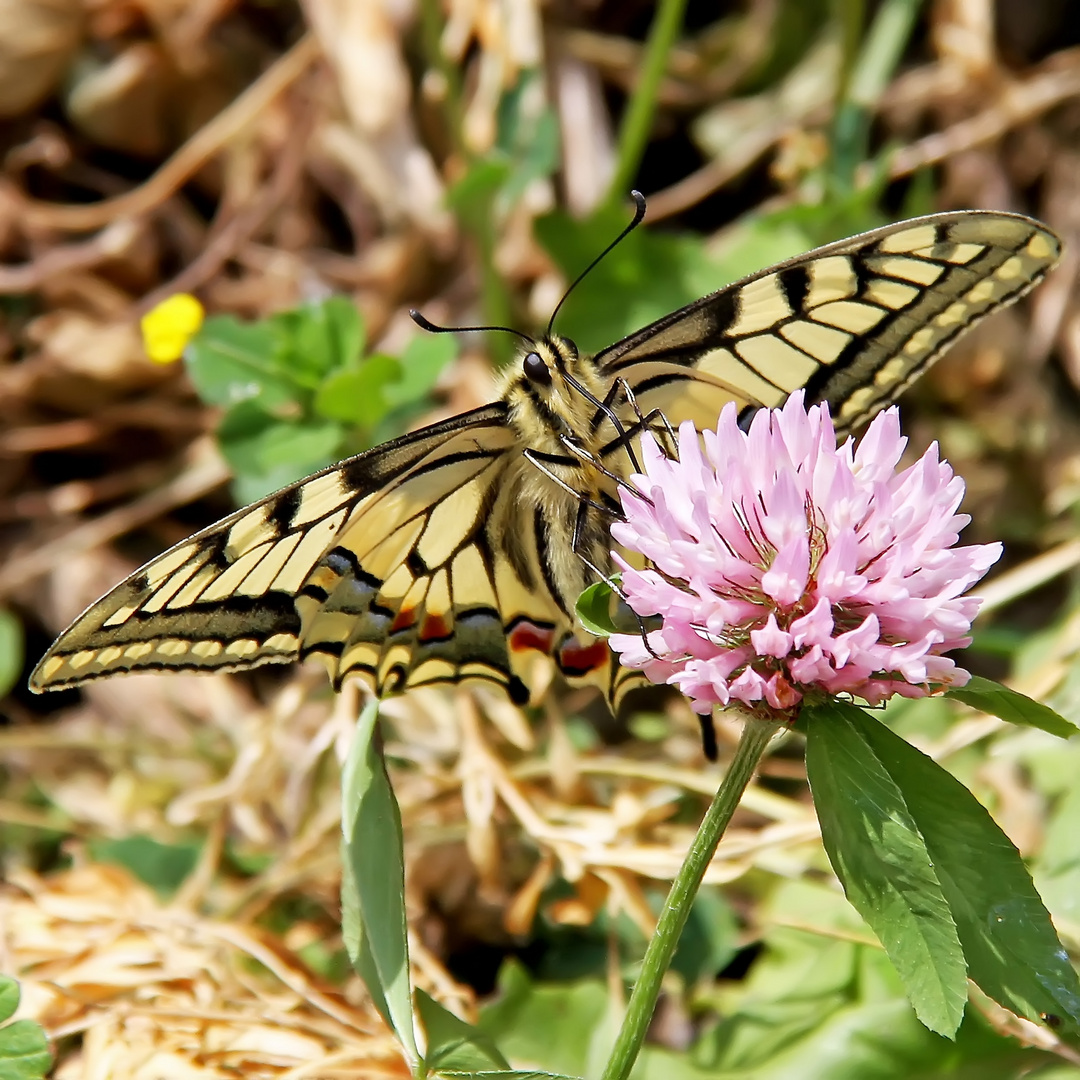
(853, 323)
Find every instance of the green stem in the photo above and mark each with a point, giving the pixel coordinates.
(637, 120)
(431, 26)
(494, 297)
(755, 737)
(497, 308)
(865, 82)
(881, 52)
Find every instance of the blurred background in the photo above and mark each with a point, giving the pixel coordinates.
(310, 171)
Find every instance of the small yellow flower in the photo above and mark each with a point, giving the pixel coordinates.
(168, 327)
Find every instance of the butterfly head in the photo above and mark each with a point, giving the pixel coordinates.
(551, 392)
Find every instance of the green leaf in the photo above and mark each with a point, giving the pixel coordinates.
(371, 825)
(875, 1037)
(326, 337)
(332, 964)
(454, 1045)
(422, 362)
(24, 1050)
(817, 1005)
(356, 942)
(230, 362)
(12, 650)
(593, 608)
(527, 148)
(997, 700)
(471, 196)
(528, 139)
(161, 866)
(9, 997)
(359, 396)
(881, 860)
(555, 1025)
(603, 612)
(266, 453)
(302, 447)
(540, 158)
(903, 835)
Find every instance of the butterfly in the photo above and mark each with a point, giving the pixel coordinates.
(457, 552)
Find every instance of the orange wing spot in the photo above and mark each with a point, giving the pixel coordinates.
(434, 628)
(527, 635)
(406, 617)
(576, 659)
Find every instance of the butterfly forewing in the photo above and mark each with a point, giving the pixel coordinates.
(854, 322)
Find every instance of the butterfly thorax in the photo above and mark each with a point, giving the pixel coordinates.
(556, 403)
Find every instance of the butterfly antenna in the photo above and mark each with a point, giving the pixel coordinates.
(431, 328)
(639, 214)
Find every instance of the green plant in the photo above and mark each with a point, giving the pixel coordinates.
(299, 391)
(24, 1050)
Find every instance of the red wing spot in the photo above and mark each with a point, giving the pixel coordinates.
(527, 635)
(576, 659)
(434, 628)
(405, 618)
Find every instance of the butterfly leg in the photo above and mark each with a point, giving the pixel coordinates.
(619, 481)
(708, 738)
(645, 422)
(662, 431)
(606, 407)
(538, 458)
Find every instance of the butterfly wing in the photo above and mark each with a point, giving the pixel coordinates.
(382, 564)
(425, 560)
(854, 322)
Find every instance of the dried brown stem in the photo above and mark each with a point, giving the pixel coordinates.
(200, 148)
(206, 472)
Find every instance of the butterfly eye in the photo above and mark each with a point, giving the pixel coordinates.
(535, 369)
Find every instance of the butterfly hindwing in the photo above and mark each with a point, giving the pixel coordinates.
(854, 322)
(434, 581)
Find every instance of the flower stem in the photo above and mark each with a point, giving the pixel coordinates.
(755, 737)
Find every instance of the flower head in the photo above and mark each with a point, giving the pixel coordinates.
(169, 326)
(781, 564)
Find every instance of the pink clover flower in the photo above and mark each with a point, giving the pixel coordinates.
(781, 564)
